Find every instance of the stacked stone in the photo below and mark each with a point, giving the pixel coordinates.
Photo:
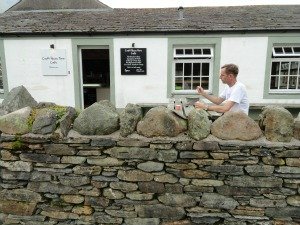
(167, 181)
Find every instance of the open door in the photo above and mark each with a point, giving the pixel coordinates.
(95, 75)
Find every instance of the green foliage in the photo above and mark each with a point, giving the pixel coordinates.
(17, 145)
(60, 110)
(32, 117)
(78, 111)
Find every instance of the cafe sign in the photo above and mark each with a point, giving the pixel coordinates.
(133, 61)
(54, 62)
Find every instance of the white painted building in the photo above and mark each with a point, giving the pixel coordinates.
(81, 54)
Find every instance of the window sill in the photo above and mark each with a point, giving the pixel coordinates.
(284, 92)
(186, 92)
(261, 105)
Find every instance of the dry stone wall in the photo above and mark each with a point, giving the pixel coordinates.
(148, 181)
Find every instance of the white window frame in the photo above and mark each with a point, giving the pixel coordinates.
(1, 76)
(192, 58)
(194, 55)
(284, 54)
(282, 58)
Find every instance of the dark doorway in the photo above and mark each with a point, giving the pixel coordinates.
(95, 75)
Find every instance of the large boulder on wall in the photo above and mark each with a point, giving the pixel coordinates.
(18, 98)
(16, 122)
(129, 118)
(45, 121)
(198, 124)
(297, 127)
(101, 118)
(235, 125)
(160, 121)
(277, 123)
(66, 122)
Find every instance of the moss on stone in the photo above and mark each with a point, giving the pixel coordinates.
(17, 145)
(32, 117)
(60, 111)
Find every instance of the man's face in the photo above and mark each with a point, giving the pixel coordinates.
(224, 77)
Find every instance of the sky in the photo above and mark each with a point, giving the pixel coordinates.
(191, 3)
(5, 4)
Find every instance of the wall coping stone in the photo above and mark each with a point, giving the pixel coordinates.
(75, 137)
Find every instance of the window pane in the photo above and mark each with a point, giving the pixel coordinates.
(284, 68)
(298, 83)
(178, 83)
(297, 50)
(187, 83)
(205, 69)
(292, 82)
(283, 82)
(196, 82)
(193, 69)
(179, 51)
(278, 50)
(275, 68)
(274, 82)
(294, 68)
(187, 69)
(204, 83)
(198, 51)
(288, 50)
(178, 69)
(196, 69)
(206, 51)
(189, 51)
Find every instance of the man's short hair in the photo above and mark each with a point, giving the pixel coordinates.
(231, 68)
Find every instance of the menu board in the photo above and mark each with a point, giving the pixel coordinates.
(133, 61)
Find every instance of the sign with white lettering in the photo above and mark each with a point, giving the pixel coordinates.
(54, 62)
(133, 61)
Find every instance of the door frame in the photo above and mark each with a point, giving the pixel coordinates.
(91, 43)
(80, 48)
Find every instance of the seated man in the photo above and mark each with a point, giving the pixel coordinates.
(234, 95)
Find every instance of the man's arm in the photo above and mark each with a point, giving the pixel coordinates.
(217, 108)
(214, 99)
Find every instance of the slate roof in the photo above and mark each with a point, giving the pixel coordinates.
(28, 5)
(124, 21)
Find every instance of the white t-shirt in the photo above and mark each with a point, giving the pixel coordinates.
(237, 93)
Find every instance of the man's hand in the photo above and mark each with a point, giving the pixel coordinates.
(200, 90)
(214, 99)
(200, 105)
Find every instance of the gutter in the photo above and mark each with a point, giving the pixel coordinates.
(128, 33)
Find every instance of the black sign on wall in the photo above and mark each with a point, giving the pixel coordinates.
(133, 61)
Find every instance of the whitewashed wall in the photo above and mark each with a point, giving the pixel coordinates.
(150, 88)
(24, 67)
(250, 54)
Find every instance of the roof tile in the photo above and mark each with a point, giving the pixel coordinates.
(166, 20)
